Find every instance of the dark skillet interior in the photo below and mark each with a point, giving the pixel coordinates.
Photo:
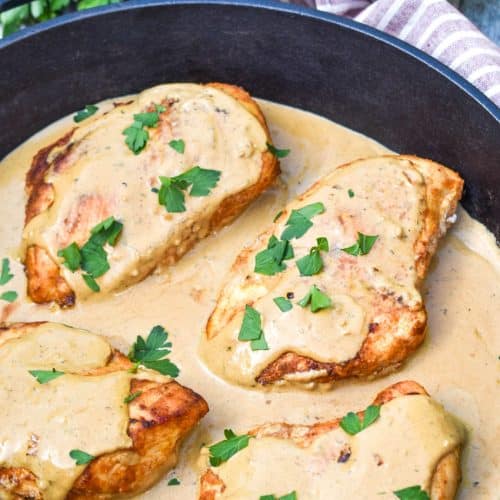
(348, 73)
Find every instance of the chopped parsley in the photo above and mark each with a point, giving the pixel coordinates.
(5, 275)
(299, 221)
(201, 180)
(251, 330)
(44, 376)
(131, 397)
(350, 192)
(270, 261)
(223, 450)
(177, 145)
(136, 136)
(289, 496)
(152, 352)
(91, 257)
(279, 153)
(278, 215)
(412, 493)
(313, 263)
(362, 246)
(9, 296)
(316, 299)
(173, 482)
(81, 457)
(352, 424)
(85, 113)
(283, 304)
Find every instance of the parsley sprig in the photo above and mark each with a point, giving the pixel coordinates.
(201, 181)
(251, 330)
(352, 424)
(87, 112)
(223, 450)
(152, 352)
(136, 135)
(299, 221)
(288, 496)
(412, 493)
(81, 457)
(313, 263)
(44, 376)
(316, 299)
(362, 246)
(270, 260)
(91, 257)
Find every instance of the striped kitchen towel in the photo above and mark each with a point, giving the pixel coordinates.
(435, 27)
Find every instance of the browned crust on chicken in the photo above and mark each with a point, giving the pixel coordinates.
(160, 418)
(45, 282)
(445, 480)
(376, 356)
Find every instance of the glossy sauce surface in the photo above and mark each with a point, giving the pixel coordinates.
(457, 364)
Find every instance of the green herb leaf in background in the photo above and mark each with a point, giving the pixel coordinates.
(352, 424)
(223, 450)
(44, 376)
(85, 113)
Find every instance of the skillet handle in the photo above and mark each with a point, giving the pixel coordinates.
(9, 4)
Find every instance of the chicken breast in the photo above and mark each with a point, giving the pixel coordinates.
(171, 166)
(349, 306)
(406, 441)
(75, 411)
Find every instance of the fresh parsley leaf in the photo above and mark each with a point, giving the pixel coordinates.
(270, 261)
(94, 259)
(131, 397)
(259, 344)
(152, 352)
(299, 221)
(149, 119)
(5, 275)
(177, 145)
(251, 328)
(173, 482)
(362, 246)
(283, 304)
(316, 299)
(279, 153)
(72, 256)
(223, 450)
(350, 192)
(289, 496)
(412, 493)
(106, 231)
(85, 113)
(352, 424)
(91, 283)
(9, 296)
(313, 263)
(44, 376)
(171, 194)
(81, 457)
(136, 137)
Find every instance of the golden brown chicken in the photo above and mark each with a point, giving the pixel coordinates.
(169, 167)
(66, 391)
(331, 289)
(404, 442)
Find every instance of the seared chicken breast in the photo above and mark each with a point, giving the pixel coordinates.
(168, 168)
(331, 289)
(404, 442)
(77, 423)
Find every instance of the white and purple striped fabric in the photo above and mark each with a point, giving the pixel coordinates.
(435, 27)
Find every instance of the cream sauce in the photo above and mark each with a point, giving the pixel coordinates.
(391, 208)
(457, 364)
(375, 462)
(41, 423)
(104, 178)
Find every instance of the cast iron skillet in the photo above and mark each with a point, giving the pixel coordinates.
(345, 71)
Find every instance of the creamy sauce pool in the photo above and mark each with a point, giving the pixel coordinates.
(457, 364)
